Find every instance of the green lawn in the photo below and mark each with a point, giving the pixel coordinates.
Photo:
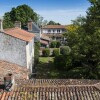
(46, 69)
(46, 59)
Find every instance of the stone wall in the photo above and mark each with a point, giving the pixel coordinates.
(12, 49)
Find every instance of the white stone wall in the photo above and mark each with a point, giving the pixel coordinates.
(52, 31)
(12, 49)
(30, 54)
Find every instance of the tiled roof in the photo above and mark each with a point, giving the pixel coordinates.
(54, 35)
(18, 71)
(57, 82)
(71, 90)
(45, 37)
(43, 42)
(19, 33)
(54, 26)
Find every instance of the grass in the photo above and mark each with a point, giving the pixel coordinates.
(46, 69)
(46, 59)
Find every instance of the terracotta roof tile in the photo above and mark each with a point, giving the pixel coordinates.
(19, 33)
(43, 42)
(45, 37)
(18, 71)
(72, 90)
(54, 26)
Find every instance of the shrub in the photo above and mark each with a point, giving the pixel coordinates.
(56, 52)
(53, 44)
(36, 53)
(46, 52)
(65, 50)
(58, 44)
(60, 62)
(63, 62)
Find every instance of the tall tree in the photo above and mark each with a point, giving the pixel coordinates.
(84, 42)
(21, 13)
(53, 23)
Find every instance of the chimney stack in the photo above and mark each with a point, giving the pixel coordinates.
(30, 24)
(1, 24)
(18, 24)
(9, 81)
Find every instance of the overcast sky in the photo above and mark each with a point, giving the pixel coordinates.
(62, 11)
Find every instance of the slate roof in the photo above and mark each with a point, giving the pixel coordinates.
(54, 27)
(18, 71)
(54, 89)
(19, 33)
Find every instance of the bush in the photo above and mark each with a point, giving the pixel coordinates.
(46, 52)
(65, 50)
(36, 53)
(63, 62)
(56, 52)
(58, 44)
(53, 44)
(60, 62)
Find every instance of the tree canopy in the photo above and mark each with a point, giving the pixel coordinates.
(53, 23)
(21, 13)
(83, 38)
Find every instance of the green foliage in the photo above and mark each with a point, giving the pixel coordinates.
(62, 62)
(36, 53)
(53, 23)
(21, 13)
(53, 44)
(46, 52)
(84, 43)
(56, 52)
(65, 50)
(58, 44)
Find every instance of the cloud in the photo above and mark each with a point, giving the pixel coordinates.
(62, 16)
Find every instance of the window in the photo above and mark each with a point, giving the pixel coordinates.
(53, 31)
(58, 31)
(49, 31)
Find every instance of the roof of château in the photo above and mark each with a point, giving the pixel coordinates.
(54, 27)
(19, 33)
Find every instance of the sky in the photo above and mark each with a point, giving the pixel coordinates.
(62, 11)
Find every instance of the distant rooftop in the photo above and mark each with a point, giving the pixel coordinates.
(54, 26)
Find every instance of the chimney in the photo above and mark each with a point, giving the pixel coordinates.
(1, 24)
(30, 24)
(8, 82)
(18, 24)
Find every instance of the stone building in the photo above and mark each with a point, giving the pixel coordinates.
(17, 46)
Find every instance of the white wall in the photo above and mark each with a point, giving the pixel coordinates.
(12, 49)
(30, 54)
(55, 31)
